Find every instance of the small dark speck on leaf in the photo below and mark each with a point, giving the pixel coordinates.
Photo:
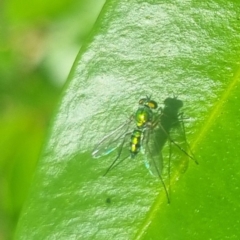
(108, 200)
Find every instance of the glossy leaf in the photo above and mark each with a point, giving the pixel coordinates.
(138, 48)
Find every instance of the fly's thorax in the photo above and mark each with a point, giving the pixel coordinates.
(135, 143)
(143, 116)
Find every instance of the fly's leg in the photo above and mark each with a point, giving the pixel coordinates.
(157, 170)
(118, 155)
(169, 165)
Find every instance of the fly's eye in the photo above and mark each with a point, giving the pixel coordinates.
(152, 104)
(142, 101)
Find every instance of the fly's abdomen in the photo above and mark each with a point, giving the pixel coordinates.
(135, 144)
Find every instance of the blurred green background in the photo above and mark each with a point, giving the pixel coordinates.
(39, 41)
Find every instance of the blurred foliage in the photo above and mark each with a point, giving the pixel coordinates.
(38, 44)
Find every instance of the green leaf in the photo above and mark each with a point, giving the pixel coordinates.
(138, 48)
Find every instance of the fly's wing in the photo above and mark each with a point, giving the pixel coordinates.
(111, 141)
(153, 156)
(152, 152)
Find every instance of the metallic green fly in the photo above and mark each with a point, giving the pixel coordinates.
(138, 138)
(146, 131)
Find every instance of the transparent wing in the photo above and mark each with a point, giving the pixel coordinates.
(152, 150)
(111, 141)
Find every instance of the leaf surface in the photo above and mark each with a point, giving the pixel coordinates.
(138, 48)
